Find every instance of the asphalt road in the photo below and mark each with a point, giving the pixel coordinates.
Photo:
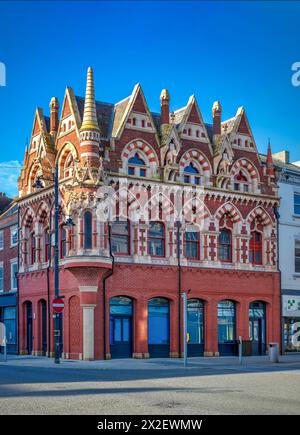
(36, 386)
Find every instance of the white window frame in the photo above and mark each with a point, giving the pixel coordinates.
(12, 243)
(1, 240)
(2, 278)
(13, 263)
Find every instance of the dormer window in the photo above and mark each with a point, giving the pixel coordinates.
(191, 174)
(189, 132)
(133, 121)
(241, 182)
(197, 133)
(137, 166)
(143, 123)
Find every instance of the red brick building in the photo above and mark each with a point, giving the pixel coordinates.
(8, 273)
(162, 203)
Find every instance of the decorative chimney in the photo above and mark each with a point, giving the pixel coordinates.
(54, 107)
(165, 106)
(216, 112)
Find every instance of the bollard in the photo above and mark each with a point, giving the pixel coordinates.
(240, 349)
(274, 352)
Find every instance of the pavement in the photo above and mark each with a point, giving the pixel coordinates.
(35, 385)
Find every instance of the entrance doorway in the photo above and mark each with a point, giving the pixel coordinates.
(29, 337)
(257, 327)
(120, 327)
(195, 327)
(159, 328)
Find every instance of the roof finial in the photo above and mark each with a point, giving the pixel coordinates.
(89, 115)
(270, 167)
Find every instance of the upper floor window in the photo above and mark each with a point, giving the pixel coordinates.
(136, 166)
(133, 121)
(1, 240)
(63, 242)
(87, 230)
(225, 251)
(47, 241)
(13, 236)
(241, 182)
(156, 239)
(255, 251)
(297, 256)
(297, 203)
(120, 237)
(13, 275)
(191, 174)
(32, 249)
(192, 245)
(1, 278)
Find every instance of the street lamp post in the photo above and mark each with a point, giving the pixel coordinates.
(69, 222)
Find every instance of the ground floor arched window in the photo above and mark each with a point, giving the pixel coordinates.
(120, 324)
(159, 327)
(195, 327)
(227, 328)
(257, 327)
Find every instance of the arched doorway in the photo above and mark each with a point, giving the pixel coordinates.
(227, 328)
(29, 336)
(257, 327)
(43, 326)
(120, 324)
(159, 328)
(195, 327)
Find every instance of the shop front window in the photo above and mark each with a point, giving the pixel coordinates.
(226, 321)
(195, 314)
(9, 320)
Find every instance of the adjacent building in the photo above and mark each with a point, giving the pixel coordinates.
(289, 249)
(160, 203)
(8, 273)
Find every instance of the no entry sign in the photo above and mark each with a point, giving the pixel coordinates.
(58, 305)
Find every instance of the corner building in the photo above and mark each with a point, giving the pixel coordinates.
(122, 278)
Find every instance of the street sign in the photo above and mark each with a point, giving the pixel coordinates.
(58, 305)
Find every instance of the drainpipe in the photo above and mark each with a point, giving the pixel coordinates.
(178, 225)
(104, 288)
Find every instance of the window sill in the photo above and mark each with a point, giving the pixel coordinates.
(296, 216)
(296, 275)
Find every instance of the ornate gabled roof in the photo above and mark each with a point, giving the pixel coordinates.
(119, 111)
(44, 128)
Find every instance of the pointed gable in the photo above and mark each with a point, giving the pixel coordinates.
(70, 114)
(133, 113)
(243, 126)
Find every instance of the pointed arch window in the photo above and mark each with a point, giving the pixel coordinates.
(191, 174)
(87, 222)
(68, 166)
(63, 242)
(32, 248)
(136, 166)
(225, 245)
(47, 241)
(255, 248)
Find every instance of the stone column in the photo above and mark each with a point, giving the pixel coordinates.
(88, 331)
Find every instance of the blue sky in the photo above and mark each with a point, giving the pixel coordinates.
(240, 53)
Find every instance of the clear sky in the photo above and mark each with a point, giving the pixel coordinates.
(240, 53)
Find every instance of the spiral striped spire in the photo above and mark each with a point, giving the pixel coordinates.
(89, 115)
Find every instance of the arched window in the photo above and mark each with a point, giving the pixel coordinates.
(158, 327)
(63, 242)
(120, 237)
(136, 166)
(68, 166)
(192, 245)
(195, 322)
(226, 321)
(255, 248)
(241, 182)
(225, 248)
(87, 230)
(191, 174)
(32, 249)
(156, 239)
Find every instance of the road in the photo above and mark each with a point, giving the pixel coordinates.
(31, 385)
